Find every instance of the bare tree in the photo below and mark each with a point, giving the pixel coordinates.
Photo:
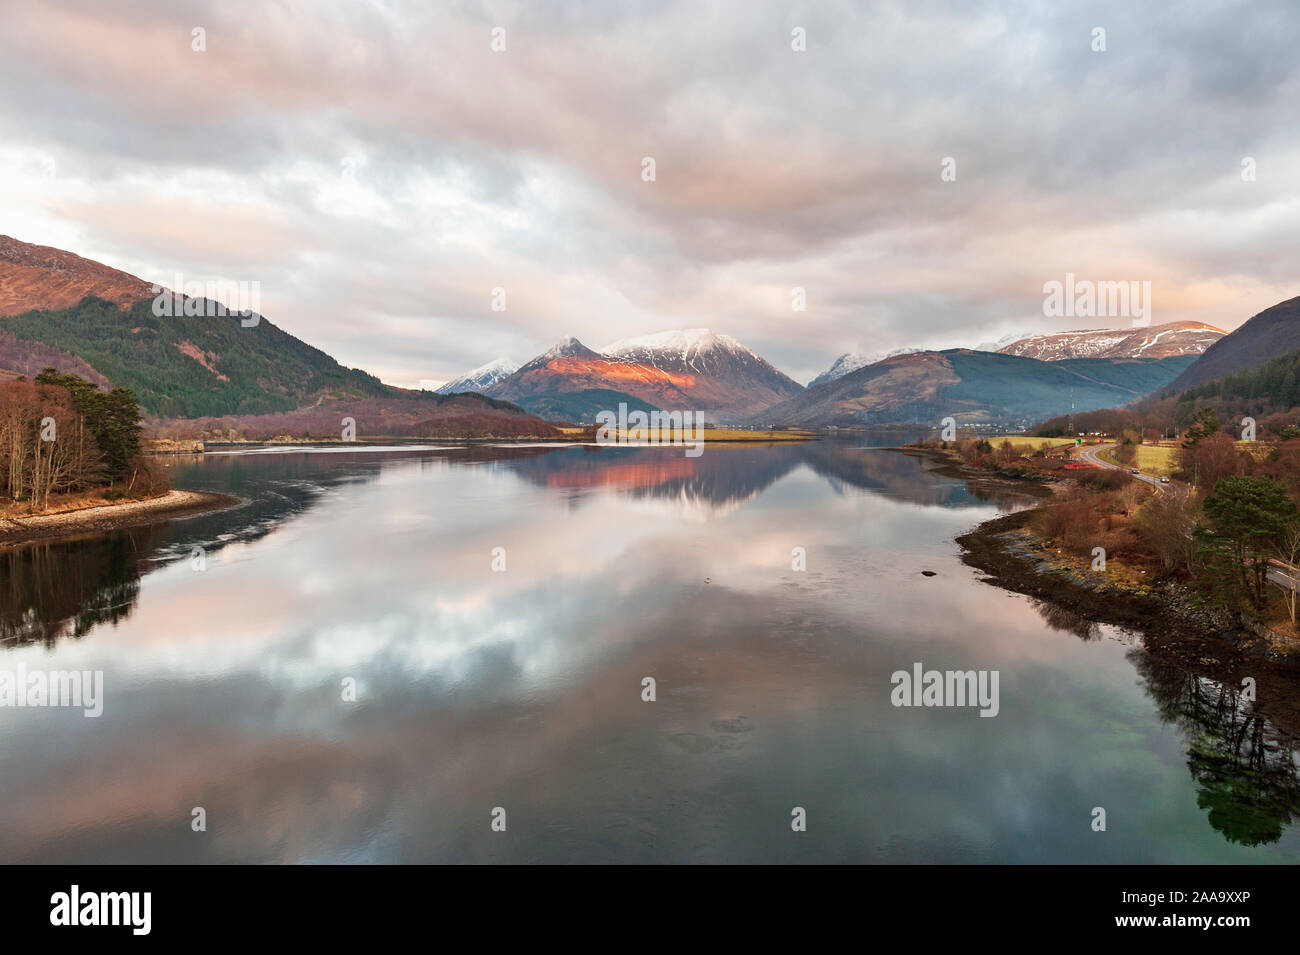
(1289, 553)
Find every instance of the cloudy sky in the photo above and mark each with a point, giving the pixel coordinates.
(379, 169)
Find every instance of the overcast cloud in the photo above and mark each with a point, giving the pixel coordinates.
(379, 169)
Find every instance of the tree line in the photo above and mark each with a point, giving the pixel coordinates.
(59, 433)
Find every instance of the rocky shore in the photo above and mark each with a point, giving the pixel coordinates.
(1173, 628)
(107, 517)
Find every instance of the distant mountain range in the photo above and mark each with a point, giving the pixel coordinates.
(972, 387)
(63, 311)
(692, 369)
(58, 309)
(1156, 341)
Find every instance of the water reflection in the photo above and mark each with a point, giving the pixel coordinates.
(1244, 766)
(66, 588)
(1066, 621)
(479, 688)
(1244, 763)
(56, 589)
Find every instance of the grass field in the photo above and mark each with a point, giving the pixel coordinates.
(1027, 441)
(1151, 459)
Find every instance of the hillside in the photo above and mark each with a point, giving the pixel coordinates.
(1156, 341)
(182, 366)
(26, 359)
(1270, 389)
(1274, 331)
(971, 386)
(84, 318)
(40, 277)
(407, 414)
(580, 407)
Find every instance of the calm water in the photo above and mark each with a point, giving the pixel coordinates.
(521, 688)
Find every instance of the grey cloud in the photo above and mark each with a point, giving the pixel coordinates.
(774, 168)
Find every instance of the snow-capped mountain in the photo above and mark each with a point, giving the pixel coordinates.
(849, 362)
(484, 376)
(694, 369)
(696, 350)
(1003, 342)
(1155, 341)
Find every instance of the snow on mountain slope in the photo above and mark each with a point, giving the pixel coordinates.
(850, 362)
(1156, 341)
(683, 346)
(689, 368)
(484, 376)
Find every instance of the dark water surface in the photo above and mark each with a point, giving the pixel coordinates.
(522, 688)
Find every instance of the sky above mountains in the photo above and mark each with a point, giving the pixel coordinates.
(379, 169)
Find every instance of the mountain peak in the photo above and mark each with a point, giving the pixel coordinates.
(683, 342)
(567, 346)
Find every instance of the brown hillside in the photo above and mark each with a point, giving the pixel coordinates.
(37, 276)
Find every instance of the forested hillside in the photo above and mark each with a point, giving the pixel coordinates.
(1270, 389)
(191, 366)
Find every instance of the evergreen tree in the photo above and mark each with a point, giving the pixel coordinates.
(1248, 518)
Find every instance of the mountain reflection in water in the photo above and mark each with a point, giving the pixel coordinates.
(623, 562)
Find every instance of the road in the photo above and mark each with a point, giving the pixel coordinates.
(1284, 575)
(1090, 454)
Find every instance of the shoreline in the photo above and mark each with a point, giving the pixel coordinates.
(1013, 558)
(732, 436)
(1172, 629)
(111, 516)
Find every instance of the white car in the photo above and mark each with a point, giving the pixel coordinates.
(1164, 480)
(1135, 470)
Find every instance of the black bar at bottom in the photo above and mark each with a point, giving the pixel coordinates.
(334, 903)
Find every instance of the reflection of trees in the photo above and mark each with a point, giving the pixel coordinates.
(1067, 621)
(1244, 767)
(64, 588)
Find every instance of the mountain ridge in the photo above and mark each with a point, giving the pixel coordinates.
(203, 365)
(1267, 334)
(1155, 341)
(971, 386)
